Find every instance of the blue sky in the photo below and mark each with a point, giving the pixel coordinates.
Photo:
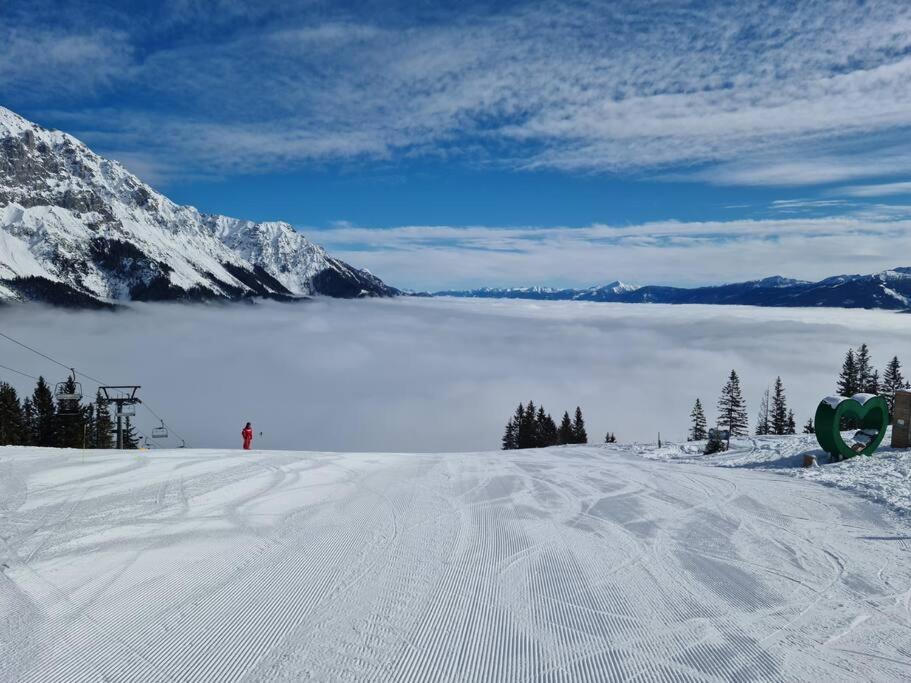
(511, 143)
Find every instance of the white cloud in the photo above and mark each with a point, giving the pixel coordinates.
(664, 252)
(880, 190)
(444, 375)
(772, 92)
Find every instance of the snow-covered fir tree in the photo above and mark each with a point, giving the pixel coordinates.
(848, 384)
(779, 408)
(790, 424)
(698, 425)
(732, 412)
(809, 427)
(893, 380)
(763, 418)
(867, 377)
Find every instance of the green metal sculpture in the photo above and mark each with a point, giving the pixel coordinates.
(869, 411)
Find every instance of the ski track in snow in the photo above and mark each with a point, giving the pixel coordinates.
(574, 563)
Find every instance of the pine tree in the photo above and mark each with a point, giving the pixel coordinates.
(790, 424)
(70, 424)
(848, 384)
(893, 380)
(809, 427)
(509, 436)
(779, 409)
(763, 421)
(565, 432)
(102, 424)
(732, 412)
(714, 444)
(610, 437)
(699, 428)
(44, 425)
(528, 432)
(547, 429)
(12, 427)
(867, 377)
(130, 439)
(28, 423)
(579, 434)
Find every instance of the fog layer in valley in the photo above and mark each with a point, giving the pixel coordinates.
(440, 375)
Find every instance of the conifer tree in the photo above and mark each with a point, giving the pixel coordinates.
(45, 432)
(547, 429)
(779, 409)
(893, 380)
(809, 427)
(509, 436)
(12, 427)
(70, 425)
(565, 432)
(102, 424)
(528, 432)
(610, 437)
(848, 383)
(867, 377)
(28, 423)
(790, 424)
(130, 439)
(579, 433)
(699, 427)
(763, 418)
(732, 412)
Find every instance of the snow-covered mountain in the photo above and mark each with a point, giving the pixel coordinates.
(78, 229)
(890, 289)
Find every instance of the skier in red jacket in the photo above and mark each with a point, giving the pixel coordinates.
(247, 433)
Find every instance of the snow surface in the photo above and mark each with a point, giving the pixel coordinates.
(582, 563)
(884, 477)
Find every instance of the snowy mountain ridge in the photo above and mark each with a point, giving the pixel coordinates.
(77, 228)
(889, 289)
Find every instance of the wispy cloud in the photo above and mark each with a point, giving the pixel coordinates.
(880, 190)
(579, 86)
(664, 252)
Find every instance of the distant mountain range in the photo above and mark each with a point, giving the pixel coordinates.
(77, 229)
(890, 289)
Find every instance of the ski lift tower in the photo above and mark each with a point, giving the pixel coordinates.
(124, 397)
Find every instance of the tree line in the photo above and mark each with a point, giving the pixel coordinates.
(37, 420)
(533, 427)
(857, 375)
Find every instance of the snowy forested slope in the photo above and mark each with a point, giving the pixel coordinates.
(581, 563)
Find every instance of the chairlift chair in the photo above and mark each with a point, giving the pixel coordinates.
(126, 410)
(160, 432)
(68, 395)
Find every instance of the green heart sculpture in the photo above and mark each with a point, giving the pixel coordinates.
(869, 411)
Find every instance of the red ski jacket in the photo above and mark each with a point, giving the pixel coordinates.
(247, 433)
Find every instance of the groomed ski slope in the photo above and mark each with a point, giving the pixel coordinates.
(585, 563)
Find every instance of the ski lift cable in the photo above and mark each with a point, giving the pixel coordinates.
(81, 374)
(19, 372)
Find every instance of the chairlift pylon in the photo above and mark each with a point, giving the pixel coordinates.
(160, 432)
(68, 395)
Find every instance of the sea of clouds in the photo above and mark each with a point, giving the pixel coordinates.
(440, 374)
